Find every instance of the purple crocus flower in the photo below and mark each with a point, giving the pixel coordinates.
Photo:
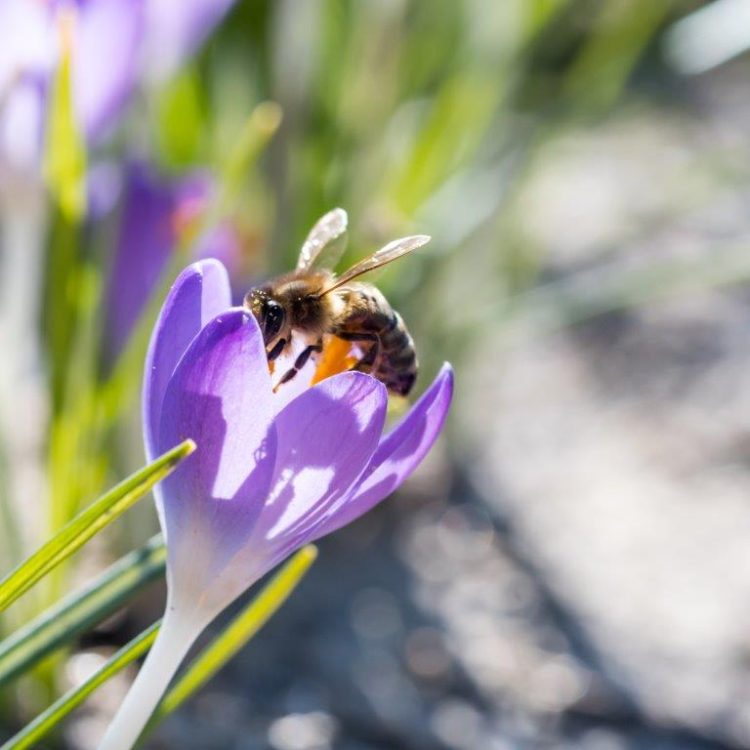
(271, 472)
(157, 214)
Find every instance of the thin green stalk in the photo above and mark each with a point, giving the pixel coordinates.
(49, 719)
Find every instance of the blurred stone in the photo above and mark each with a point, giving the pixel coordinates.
(313, 731)
(618, 462)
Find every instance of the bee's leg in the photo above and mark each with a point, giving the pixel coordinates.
(276, 350)
(368, 360)
(300, 362)
(273, 353)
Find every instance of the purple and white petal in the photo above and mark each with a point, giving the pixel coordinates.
(326, 438)
(220, 396)
(398, 454)
(156, 214)
(200, 293)
(106, 61)
(22, 121)
(27, 58)
(176, 29)
(29, 43)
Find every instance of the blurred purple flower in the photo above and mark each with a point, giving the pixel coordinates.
(269, 475)
(114, 43)
(157, 214)
(175, 29)
(105, 38)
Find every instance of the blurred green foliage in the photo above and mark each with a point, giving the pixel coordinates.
(414, 116)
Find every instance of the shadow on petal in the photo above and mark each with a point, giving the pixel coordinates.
(397, 456)
(326, 438)
(220, 396)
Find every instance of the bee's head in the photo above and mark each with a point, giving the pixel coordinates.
(269, 313)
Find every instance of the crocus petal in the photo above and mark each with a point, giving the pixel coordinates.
(105, 60)
(27, 57)
(176, 29)
(320, 444)
(398, 454)
(198, 295)
(326, 438)
(22, 128)
(220, 396)
(28, 40)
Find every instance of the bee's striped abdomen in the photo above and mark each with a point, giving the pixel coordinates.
(396, 364)
(381, 333)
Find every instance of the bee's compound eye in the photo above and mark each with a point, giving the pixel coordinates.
(273, 319)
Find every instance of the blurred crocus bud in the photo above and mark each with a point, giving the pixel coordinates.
(158, 216)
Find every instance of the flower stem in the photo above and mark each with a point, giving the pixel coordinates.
(176, 635)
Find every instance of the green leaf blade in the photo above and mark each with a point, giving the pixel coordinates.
(65, 149)
(77, 613)
(52, 716)
(89, 522)
(216, 655)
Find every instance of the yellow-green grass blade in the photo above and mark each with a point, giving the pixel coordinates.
(77, 613)
(181, 120)
(65, 149)
(88, 523)
(222, 649)
(52, 716)
(257, 131)
(239, 631)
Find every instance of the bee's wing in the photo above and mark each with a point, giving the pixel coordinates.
(322, 236)
(390, 252)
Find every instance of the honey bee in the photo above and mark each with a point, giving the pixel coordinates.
(316, 304)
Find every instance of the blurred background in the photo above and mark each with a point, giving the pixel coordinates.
(570, 567)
